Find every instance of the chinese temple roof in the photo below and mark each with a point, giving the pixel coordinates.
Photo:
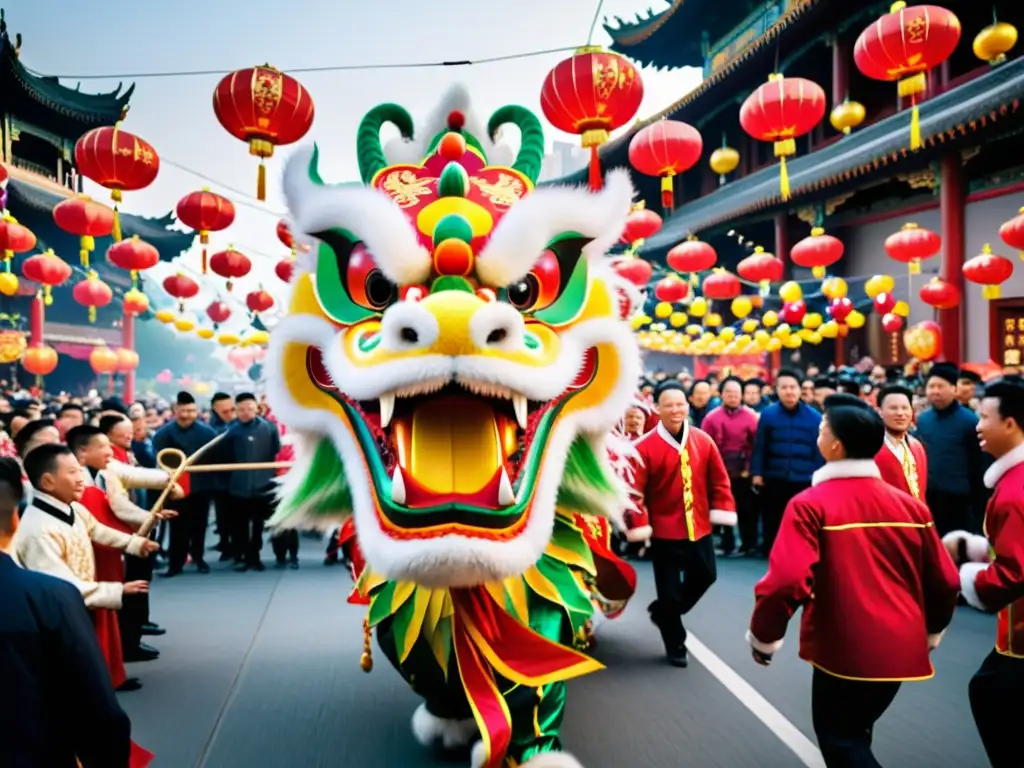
(87, 110)
(946, 120)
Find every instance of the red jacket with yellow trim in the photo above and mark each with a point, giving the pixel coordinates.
(999, 585)
(892, 469)
(658, 486)
(864, 561)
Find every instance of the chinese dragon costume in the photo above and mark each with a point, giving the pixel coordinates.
(451, 366)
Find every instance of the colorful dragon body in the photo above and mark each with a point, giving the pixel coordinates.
(451, 366)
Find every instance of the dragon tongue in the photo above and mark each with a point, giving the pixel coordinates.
(451, 445)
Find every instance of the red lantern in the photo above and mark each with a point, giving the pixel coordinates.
(285, 235)
(265, 107)
(134, 255)
(692, 255)
(671, 289)
(40, 360)
(940, 294)
(47, 269)
(259, 301)
(92, 293)
(923, 340)
(988, 270)
(284, 269)
(721, 286)
(127, 360)
(817, 252)
(135, 302)
(230, 264)
(640, 224)
(884, 303)
(666, 148)
(103, 360)
(117, 160)
(840, 309)
(1012, 232)
(902, 46)
(15, 238)
(891, 323)
(590, 95)
(780, 111)
(205, 212)
(181, 287)
(218, 312)
(912, 244)
(762, 268)
(793, 312)
(81, 216)
(634, 269)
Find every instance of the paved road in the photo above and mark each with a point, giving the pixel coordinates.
(261, 670)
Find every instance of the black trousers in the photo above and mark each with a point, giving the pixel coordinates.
(995, 693)
(951, 512)
(844, 713)
(250, 515)
(775, 495)
(286, 545)
(225, 528)
(683, 572)
(188, 530)
(134, 611)
(748, 513)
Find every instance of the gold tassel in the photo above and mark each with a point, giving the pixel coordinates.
(366, 660)
(818, 272)
(205, 261)
(915, 128)
(117, 226)
(991, 292)
(261, 182)
(783, 178)
(92, 314)
(47, 296)
(914, 267)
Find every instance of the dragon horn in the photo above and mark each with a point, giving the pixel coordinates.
(368, 143)
(531, 149)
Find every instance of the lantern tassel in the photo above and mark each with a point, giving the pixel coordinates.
(366, 660)
(92, 314)
(206, 263)
(135, 279)
(261, 182)
(86, 244)
(914, 267)
(668, 195)
(116, 233)
(47, 296)
(594, 175)
(915, 128)
(991, 292)
(783, 178)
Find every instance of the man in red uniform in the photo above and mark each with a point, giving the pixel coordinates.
(998, 583)
(883, 586)
(681, 489)
(901, 460)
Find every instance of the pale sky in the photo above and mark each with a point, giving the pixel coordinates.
(175, 113)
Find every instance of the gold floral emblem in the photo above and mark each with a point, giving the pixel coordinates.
(266, 91)
(406, 188)
(503, 193)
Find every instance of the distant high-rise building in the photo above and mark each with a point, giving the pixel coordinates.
(563, 159)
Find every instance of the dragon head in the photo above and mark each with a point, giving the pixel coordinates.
(454, 355)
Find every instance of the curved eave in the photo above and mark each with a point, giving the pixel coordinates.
(640, 40)
(945, 121)
(88, 108)
(614, 152)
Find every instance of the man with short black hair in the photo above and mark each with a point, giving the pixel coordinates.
(71, 415)
(864, 562)
(222, 417)
(59, 704)
(188, 529)
(967, 384)
(34, 434)
(902, 459)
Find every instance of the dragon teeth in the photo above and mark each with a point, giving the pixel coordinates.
(506, 496)
(398, 487)
(387, 410)
(522, 409)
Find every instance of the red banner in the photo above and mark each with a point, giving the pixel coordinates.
(743, 366)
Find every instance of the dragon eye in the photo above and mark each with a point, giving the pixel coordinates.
(539, 288)
(523, 295)
(349, 285)
(366, 283)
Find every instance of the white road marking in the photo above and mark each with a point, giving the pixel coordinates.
(805, 750)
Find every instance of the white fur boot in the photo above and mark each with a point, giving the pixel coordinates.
(430, 729)
(545, 760)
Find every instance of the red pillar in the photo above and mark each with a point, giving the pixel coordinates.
(952, 205)
(128, 342)
(36, 320)
(840, 71)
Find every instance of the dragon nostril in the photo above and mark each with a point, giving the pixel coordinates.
(497, 336)
(409, 335)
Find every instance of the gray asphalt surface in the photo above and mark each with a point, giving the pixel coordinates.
(261, 670)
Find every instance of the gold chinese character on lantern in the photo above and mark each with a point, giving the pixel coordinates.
(1008, 340)
(1011, 357)
(916, 29)
(1010, 325)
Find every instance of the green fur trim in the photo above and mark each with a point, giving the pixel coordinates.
(369, 148)
(323, 491)
(530, 159)
(586, 487)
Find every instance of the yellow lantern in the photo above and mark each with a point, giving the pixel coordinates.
(258, 338)
(186, 323)
(769, 318)
(202, 388)
(847, 116)
(8, 283)
(662, 310)
(790, 292)
(698, 307)
(855, 319)
(749, 326)
(741, 307)
(782, 331)
(814, 338)
(792, 342)
(829, 330)
(639, 321)
(761, 336)
(205, 333)
(713, 320)
(834, 288)
(678, 319)
(707, 337)
(727, 334)
(165, 316)
(724, 161)
(812, 320)
(228, 339)
(994, 42)
(774, 345)
(902, 309)
(715, 347)
(694, 330)
(879, 284)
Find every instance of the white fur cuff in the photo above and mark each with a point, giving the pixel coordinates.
(769, 648)
(553, 760)
(643, 533)
(934, 640)
(955, 536)
(968, 573)
(978, 549)
(453, 734)
(134, 546)
(723, 517)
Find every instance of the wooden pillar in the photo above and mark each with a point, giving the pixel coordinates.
(952, 206)
(128, 342)
(782, 236)
(840, 71)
